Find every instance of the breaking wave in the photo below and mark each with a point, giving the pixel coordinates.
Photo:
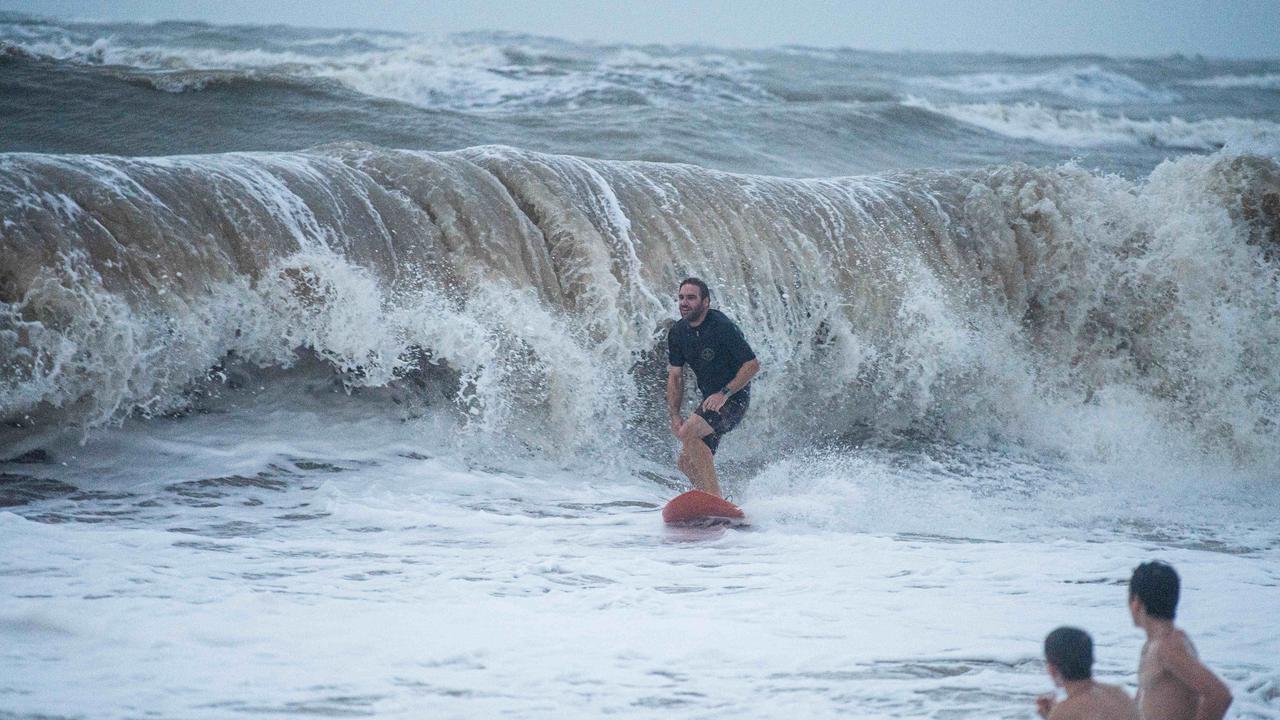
(1047, 307)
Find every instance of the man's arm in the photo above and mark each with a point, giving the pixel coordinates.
(675, 395)
(745, 373)
(1214, 696)
(716, 400)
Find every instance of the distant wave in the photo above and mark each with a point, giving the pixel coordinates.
(1266, 81)
(1089, 128)
(449, 73)
(485, 78)
(1090, 84)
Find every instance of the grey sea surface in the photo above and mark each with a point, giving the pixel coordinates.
(332, 370)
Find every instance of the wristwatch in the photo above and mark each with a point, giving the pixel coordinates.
(727, 392)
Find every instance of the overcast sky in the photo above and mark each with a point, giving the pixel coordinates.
(1219, 28)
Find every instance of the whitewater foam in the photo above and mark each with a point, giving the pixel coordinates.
(324, 539)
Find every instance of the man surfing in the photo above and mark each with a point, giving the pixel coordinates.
(723, 363)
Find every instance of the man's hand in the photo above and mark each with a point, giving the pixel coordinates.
(1045, 703)
(715, 401)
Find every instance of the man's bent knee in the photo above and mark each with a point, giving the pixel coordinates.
(696, 447)
(694, 430)
(685, 435)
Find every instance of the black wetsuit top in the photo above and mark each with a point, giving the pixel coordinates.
(716, 350)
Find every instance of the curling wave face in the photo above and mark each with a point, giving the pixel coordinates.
(1047, 307)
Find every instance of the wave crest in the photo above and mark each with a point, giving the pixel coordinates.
(1090, 84)
(1089, 128)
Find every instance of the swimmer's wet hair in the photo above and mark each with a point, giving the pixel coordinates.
(1157, 586)
(1070, 650)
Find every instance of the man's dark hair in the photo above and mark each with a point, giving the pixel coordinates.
(1156, 585)
(1070, 650)
(702, 287)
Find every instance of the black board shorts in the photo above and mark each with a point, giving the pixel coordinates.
(723, 420)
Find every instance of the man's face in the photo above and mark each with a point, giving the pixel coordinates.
(692, 305)
(1054, 673)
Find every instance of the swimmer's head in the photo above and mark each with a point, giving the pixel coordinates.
(1069, 652)
(1154, 589)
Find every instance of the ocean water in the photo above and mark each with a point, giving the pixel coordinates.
(332, 370)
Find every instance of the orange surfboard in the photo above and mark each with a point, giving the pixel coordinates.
(699, 508)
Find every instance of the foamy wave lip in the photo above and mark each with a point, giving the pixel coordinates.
(1089, 84)
(107, 51)
(1089, 128)
(1267, 81)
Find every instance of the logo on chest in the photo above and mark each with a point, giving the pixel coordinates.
(708, 354)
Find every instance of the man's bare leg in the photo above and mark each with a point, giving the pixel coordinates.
(696, 460)
(697, 463)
